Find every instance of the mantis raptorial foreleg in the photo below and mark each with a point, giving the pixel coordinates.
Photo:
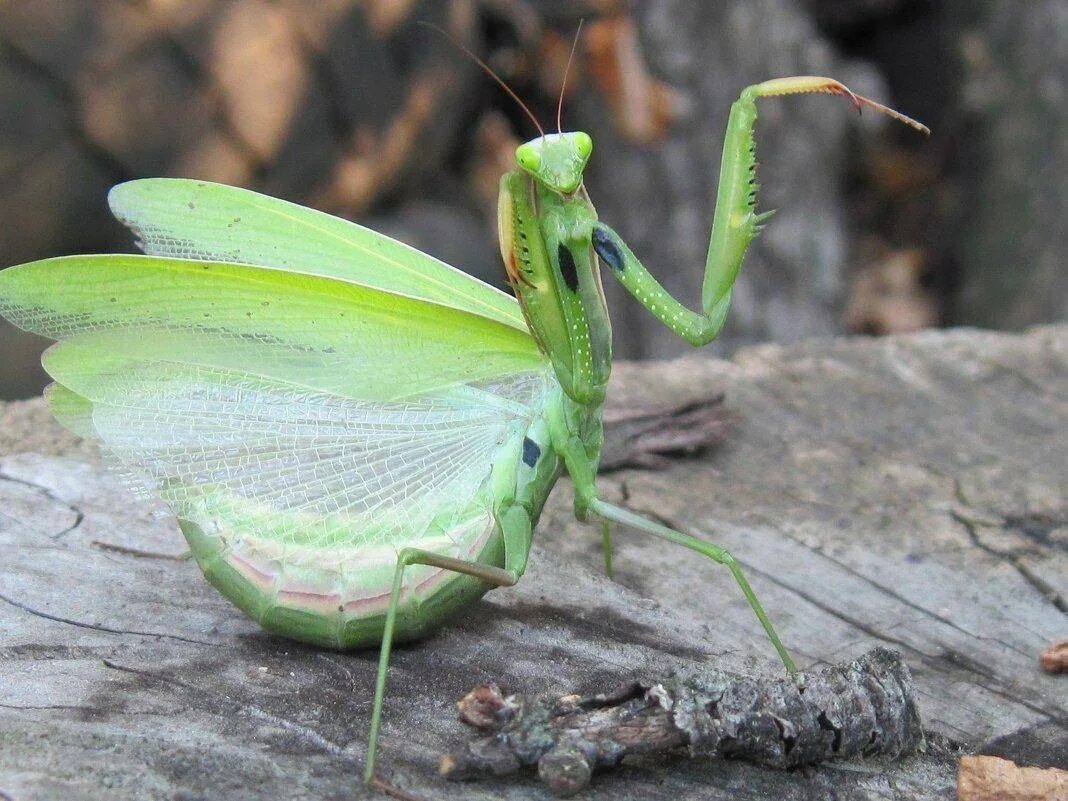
(734, 224)
(516, 531)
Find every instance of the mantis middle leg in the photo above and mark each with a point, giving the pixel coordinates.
(606, 546)
(587, 503)
(618, 514)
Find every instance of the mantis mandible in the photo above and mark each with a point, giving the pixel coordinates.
(356, 439)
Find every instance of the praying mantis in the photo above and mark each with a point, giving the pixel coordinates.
(356, 439)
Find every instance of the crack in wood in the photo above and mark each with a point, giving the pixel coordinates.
(901, 598)
(106, 629)
(971, 528)
(948, 655)
(44, 652)
(305, 733)
(43, 707)
(1036, 527)
(79, 515)
(953, 657)
(302, 731)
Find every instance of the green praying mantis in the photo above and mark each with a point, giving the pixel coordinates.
(357, 439)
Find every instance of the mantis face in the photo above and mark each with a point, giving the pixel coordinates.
(556, 160)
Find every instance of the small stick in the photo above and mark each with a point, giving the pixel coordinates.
(645, 438)
(184, 556)
(861, 708)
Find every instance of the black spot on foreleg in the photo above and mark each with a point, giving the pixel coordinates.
(607, 249)
(567, 266)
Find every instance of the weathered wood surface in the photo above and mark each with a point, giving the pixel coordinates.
(907, 491)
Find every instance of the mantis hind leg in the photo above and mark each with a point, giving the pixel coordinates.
(407, 557)
(607, 511)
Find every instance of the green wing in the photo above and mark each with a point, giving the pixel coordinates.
(71, 409)
(199, 220)
(298, 409)
(322, 333)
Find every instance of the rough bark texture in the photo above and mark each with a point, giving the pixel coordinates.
(864, 708)
(908, 492)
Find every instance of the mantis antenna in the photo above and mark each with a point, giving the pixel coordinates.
(489, 71)
(563, 84)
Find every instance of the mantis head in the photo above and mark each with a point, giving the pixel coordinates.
(556, 160)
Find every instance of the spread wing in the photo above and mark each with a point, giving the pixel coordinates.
(200, 220)
(308, 410)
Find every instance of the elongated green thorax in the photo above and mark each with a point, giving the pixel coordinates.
(545, 237)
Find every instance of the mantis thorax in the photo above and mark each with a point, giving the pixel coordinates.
(546, 222)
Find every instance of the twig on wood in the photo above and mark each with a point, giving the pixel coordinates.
(644, 437)
(184, 556)
(865, 707)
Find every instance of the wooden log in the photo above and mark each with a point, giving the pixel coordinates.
(905, 492)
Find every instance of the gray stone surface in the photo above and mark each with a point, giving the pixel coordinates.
(907, 491)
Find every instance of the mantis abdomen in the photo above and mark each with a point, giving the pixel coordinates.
(329, 583)
(337, 597)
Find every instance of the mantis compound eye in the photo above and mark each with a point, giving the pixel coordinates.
(528, 158)
(584, 144)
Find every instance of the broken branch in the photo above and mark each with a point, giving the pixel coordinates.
(646, 438)
(864, 707)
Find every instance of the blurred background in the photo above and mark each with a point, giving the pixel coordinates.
(352, 107)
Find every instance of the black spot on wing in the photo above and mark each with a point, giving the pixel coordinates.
(607, 249)
(531, 452)
(567, 266)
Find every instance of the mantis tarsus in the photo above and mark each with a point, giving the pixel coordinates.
(356, 439)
